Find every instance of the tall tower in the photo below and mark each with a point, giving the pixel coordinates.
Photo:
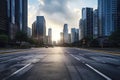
(3, 17)
(87, 17)
(109, 16)
(65, 33)
(50, 36)
(41, 28)
(21, 14)
(95, 24)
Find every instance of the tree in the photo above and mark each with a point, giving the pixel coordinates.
(21, 37)
(115, 37)
(3, 40)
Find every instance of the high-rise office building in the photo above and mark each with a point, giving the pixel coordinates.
(61, 38)
(17, 14)
(73, 35)
(50, 36)
(69, 38)
(3, 17)
(11, 17)
(34, 30)
(95, 24)
(87, 18)
(109, 16)
(77, 34)
(81, 29)
(29, 32)
(41, 28)
(65, 33)
(21, 14)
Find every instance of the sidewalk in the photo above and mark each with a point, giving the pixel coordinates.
(106, 50)
(2, 51)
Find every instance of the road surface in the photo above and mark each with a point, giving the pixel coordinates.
(59, 64)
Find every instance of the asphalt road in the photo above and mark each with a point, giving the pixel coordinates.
(59, 64)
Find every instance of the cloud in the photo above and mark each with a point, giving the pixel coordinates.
(57, 12)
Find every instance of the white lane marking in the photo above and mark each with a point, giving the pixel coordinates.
(10, 60)
(98, 72)
(106, 77)
(20, 71)
(75, 57)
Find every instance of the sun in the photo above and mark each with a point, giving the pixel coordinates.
(56, 37)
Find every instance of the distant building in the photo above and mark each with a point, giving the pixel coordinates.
(87, 17)
(41, 28)
(61, 38)
(29, 32)
(65, 33)
(34, 30)
(73, 35)
(69, 38)
(81, 29)
(50, 36)
(95, 24)
(77, 34)
(3, 17)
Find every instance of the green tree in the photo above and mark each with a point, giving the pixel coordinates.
(21, 37)
(115, 36)
(3, 40)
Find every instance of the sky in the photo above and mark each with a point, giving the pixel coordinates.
(57, 13)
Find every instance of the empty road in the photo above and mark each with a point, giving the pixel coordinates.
(59, 63)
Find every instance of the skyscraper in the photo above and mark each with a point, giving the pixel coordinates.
(41, 28)
(95, 23)
(17, 14)
(50, 36)
(21, 13)
(73, 35)
(61, 38)
(13, 28)
(34, 30)
(65, 33)
(29, 32)
(87, 17)
(109, 16)
(81, 29)
(3, 17)
(77, 34)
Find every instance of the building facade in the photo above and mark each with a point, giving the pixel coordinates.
(3, 17)
(109, 16)
(73, 35)
(50, 36)
(61, 38)
(95, 24)
(17, 16)
(34, 30)
(87, 18)
(65, 33)
(41, 28)
(81, 29)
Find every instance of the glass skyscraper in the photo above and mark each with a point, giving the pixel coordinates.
(87, 22)
(41, 28)
(65, 33)
(108, 16)
(3, 17)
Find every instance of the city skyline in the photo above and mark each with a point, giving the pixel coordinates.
(57, 13)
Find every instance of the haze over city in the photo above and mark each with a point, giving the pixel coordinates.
(57, 13)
